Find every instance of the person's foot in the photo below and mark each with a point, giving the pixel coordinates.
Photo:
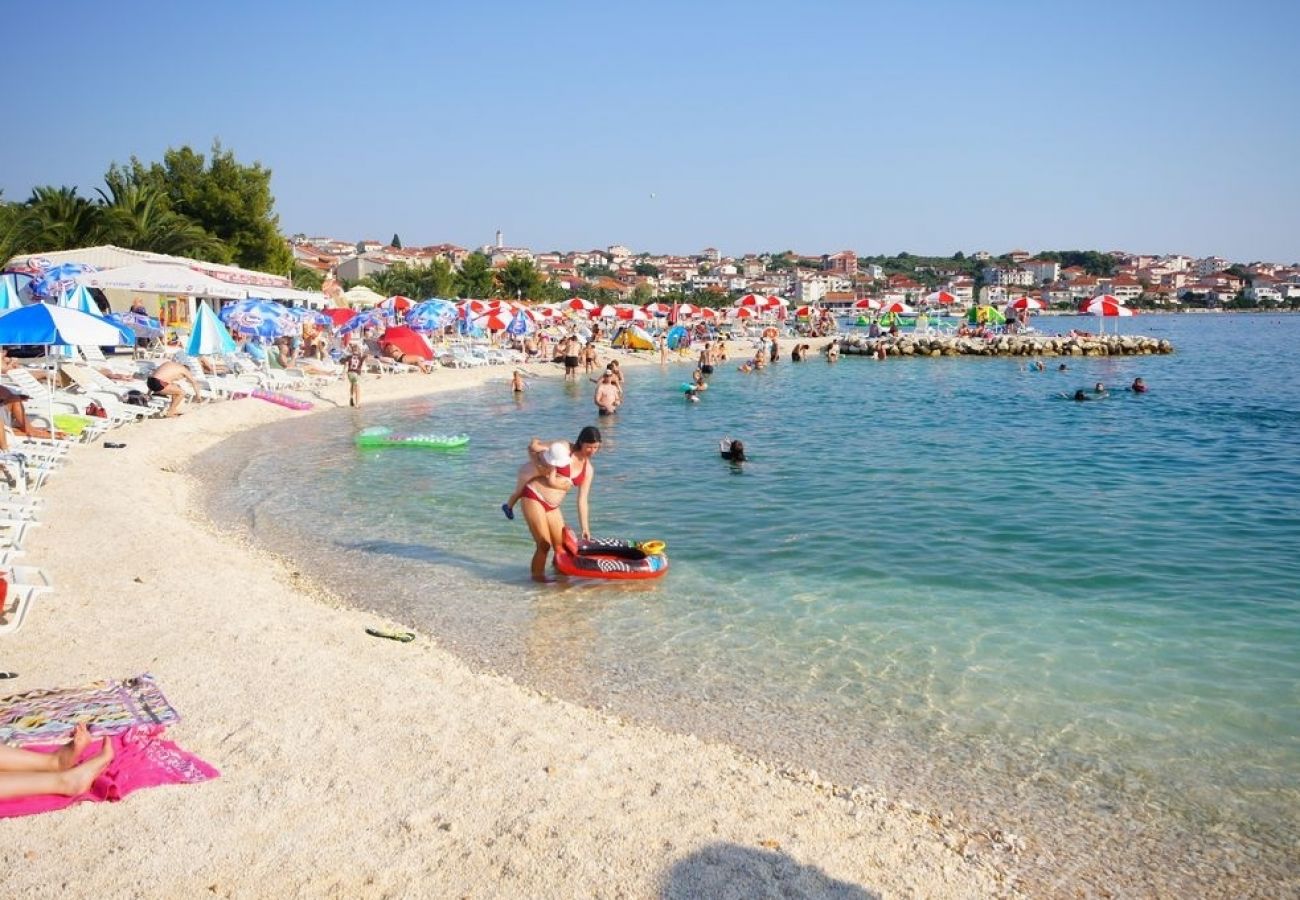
(70, 752)
(78, 780)
(510, 513)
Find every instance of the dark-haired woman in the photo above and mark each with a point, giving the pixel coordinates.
(579, 471)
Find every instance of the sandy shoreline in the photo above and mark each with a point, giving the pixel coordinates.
(359, 767)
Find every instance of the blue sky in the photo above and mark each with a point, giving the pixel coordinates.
(668, 127)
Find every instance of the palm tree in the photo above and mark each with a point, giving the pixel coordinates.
(138, 217)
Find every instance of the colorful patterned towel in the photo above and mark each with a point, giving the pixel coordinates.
(141, 759)
(107, 707)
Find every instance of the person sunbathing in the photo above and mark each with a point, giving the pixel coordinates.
(395, 353)
(13, 411)
(26, 773)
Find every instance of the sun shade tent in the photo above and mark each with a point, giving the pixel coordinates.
(162, 278)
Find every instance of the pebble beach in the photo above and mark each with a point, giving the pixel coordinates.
(353, 766)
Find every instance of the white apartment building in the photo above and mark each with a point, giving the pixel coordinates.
(811, 287)
(1043, 270)
(711, 254)
(1177, 263)
(1000, 277)
(617, 252)
(1209, 265)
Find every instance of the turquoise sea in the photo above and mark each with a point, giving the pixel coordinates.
(936, 578)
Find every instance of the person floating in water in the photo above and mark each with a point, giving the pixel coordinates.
(1139, 386)
(1099, 389)
(517, 382)
(1080, 395)
(731, 450)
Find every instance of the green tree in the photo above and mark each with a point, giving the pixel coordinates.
(518, 278)
(305, 279)
(645, 268)
(138, 217)
(396, 242)
(642, 294)
(224, 197)
(475, 276)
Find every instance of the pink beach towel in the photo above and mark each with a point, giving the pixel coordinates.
(141, 759)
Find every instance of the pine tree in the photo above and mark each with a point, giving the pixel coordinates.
(396, 242)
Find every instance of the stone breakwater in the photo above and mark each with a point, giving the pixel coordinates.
(1006, 345)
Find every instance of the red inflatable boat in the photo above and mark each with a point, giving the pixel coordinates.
(610, 558)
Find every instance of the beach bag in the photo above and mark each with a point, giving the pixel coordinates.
(93, 408)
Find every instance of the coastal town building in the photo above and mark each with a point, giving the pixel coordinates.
(844, 263)
(1043, 270)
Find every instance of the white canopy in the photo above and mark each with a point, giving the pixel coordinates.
(363, 296)
(106, 256)
(162, 278)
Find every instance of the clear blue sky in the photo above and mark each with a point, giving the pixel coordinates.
(920, 126)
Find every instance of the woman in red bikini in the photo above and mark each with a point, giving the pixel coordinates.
(577, 470)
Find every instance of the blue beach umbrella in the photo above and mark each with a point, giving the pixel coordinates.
(79, 298)
(675, 336)
(371, 318)
(209, 336)
(43, 325)
(519, 324)
(9, 298)
(431, 315)
(141, 326)
(55, 280)
(307, 316)
(259, 318)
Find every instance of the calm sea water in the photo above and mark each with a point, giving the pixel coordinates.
(936, 577)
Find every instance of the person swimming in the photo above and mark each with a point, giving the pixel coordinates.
(1138, 386)
(731, 450)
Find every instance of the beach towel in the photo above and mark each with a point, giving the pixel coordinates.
(107, 707)
(141, 759)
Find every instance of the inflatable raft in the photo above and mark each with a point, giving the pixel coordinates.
(610, 558)
(380, 436)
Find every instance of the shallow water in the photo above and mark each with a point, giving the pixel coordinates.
(937, 577)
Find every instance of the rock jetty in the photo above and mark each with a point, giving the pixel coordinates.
(1006, 345)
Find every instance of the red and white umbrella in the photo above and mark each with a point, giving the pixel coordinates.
(898, 308)
(867, 303)
(1026, 303)
(470, 308)
(747, 312)
(545, 313)
(631, 313)
(493, 321)
(397, 304)
(657, 309)
(608, 311)
(760, 301)
(577, 304)
(686, 310)
(1105, 305)
(941, 297)
(704, 312)
(805, 312)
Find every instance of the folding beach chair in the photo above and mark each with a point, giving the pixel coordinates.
(24, 584)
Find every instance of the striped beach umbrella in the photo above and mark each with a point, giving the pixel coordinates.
(431, 315)
(370, 318)
(866, 304)
(1026, 303)
(577, 304)
(940, 298)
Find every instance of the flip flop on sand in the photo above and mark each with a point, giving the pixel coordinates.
(510, 513)
(404, 637)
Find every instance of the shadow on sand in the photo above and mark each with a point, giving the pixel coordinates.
(725, 871)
